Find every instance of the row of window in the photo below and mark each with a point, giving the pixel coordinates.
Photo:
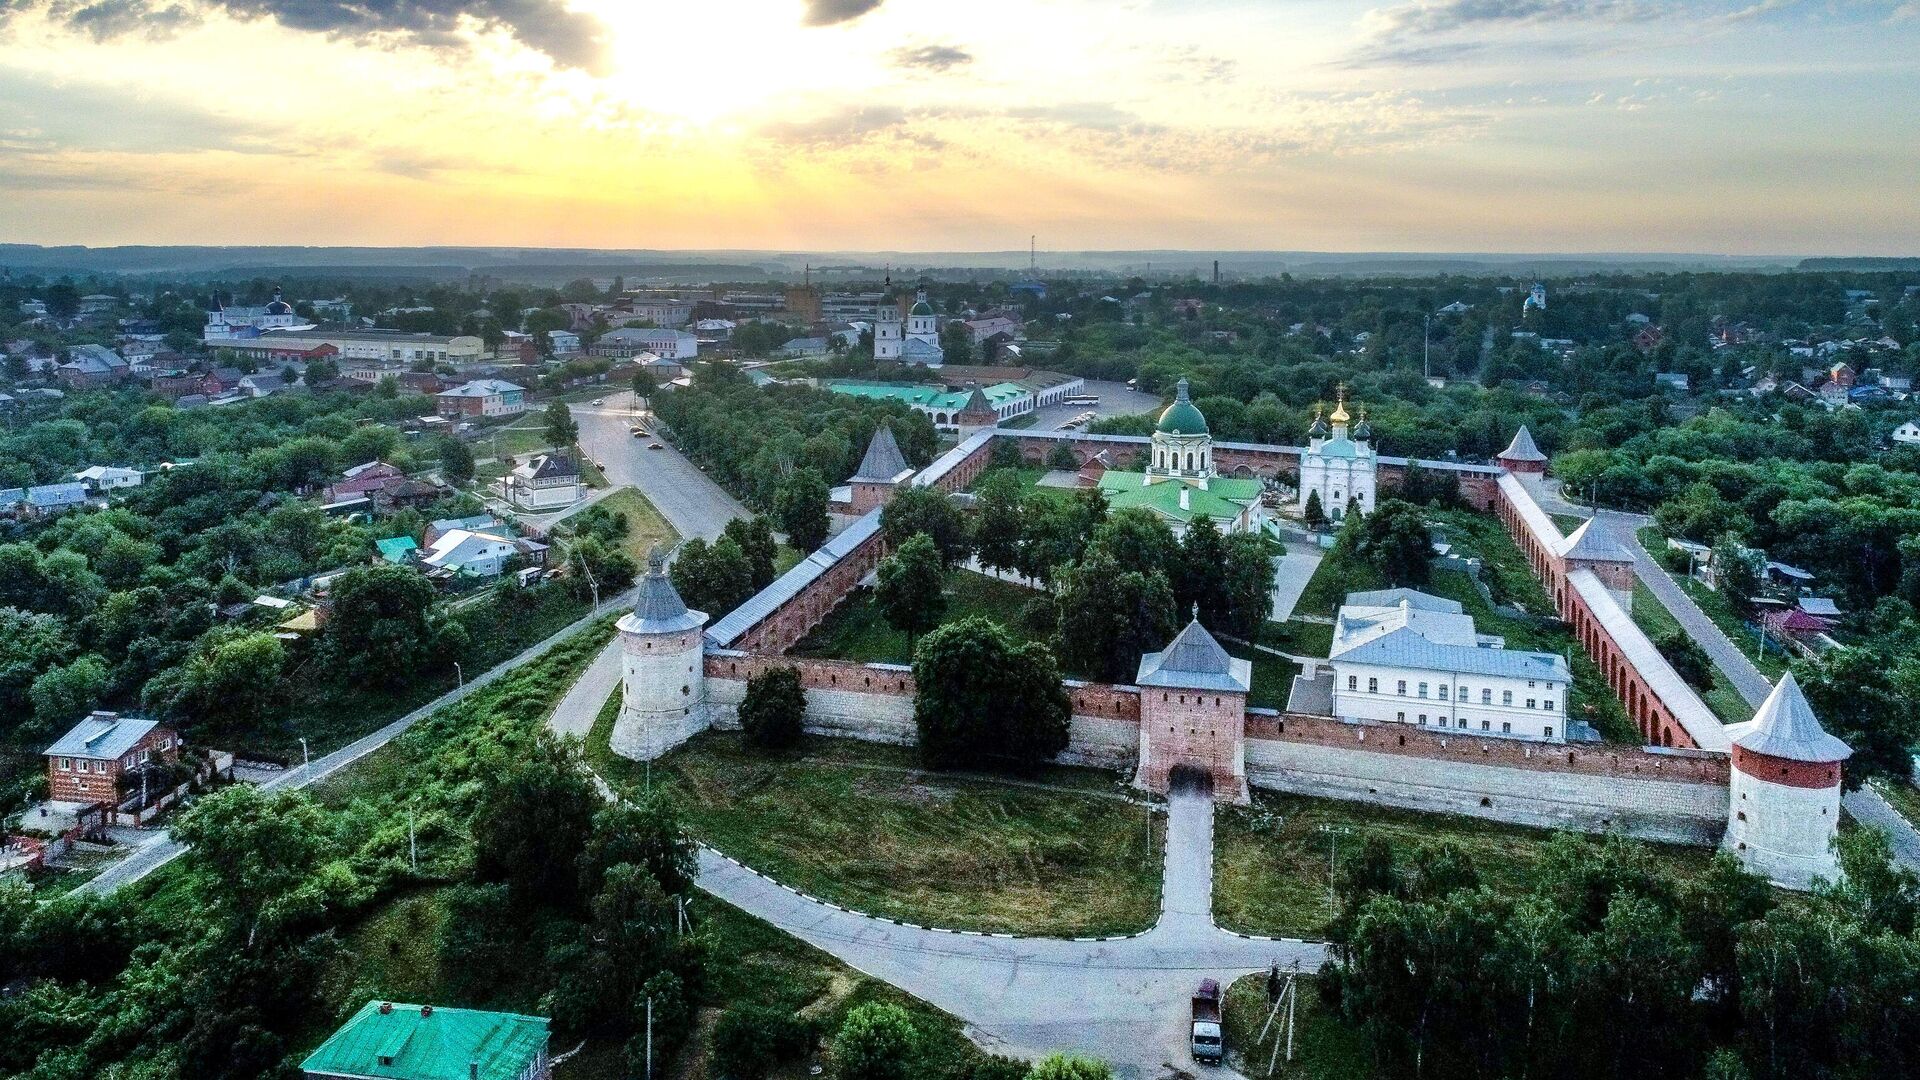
(1486, 693)
(1506, 727)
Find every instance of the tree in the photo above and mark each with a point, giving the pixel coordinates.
(773, 713)
(755, 537)
(1315, 514)
(321, 370)
(559, 425)
(911, 587)
(1061, 457)
(62, 695)
(715, 578)
(1689, 660)
(1394, 539)
(998, 520)
(456, 460)
(1857, 694)
(1736, 573)
(608, 567)
(533, 823)
(1070, 1067)
(258, 857)
(925, 510)
(750, 1038)
(643, 385)
(225, 689)
(1108, 616)
(800, 505)
(646, 832)
(980, 697)
(382, 628)
(876, 1041)
(1138, 540)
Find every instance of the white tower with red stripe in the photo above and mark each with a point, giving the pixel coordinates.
(1785, 805)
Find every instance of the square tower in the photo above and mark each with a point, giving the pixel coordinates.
(1193, 714)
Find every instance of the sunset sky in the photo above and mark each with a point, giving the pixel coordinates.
(1753, 127)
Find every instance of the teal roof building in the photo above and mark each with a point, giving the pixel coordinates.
(386, 1040)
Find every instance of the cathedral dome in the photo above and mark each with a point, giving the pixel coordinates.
(278, 306)
(921, 307)
(1182, 417)
(1319, 430)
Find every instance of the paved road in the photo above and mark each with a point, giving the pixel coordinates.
(1122, 1000)
(1291, 572)
(693, 504)
(161, 851)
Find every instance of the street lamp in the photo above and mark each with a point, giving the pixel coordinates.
(1333, 833)
(459, 675)
(306, 760)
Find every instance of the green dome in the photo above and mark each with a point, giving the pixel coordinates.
(1181, 417)
(921, 308)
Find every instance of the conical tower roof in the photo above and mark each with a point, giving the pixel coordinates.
(660, 609)
(1522, 447)
(1592, 545)
(883, 460)
(1785, 727)
(1193, 659)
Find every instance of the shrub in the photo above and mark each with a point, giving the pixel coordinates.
(876, 1042)
(775, 708)
(750, 1039)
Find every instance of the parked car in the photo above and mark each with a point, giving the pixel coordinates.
(599, 401)
(653, 446)
(1206, 1043)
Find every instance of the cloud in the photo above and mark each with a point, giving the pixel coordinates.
(95, 117)
(931, 57)
(849, 126)
(1432, 32)
(569, 38)
(833, 12)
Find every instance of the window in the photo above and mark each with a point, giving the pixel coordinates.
(1506, 697)
(1353, 682)
(1423, 689)
(1443, 691)
(1423, 718)
(1549, 731)
(1403, 688)
(66, 764)
(1486, 696)
(1373, 686)
(1486, 725)
(1547, 705)
(1506, 728)
(1529, 703)
(1463, 723)
(1529, 684)
(1402, 717)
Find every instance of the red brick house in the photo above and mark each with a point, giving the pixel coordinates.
(85, 765)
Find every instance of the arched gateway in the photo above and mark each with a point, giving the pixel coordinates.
(1193, 714)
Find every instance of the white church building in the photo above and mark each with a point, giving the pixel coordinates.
(916, 340)
(1338, 466)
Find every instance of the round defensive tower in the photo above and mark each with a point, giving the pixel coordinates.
(663, 673)
(1785, 791)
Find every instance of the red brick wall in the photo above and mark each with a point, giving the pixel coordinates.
(1194, 728)
(1800, 774)
(1405, 741)
(790, 621)
(65, 786)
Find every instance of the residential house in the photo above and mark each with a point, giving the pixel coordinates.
(478, 554)
(563, 343)
(1672, 380)
(805, 346)
(93, 365)
(104, 478)
(368, 480)
(85, 764)
(388, 1041)
(544, 482)
(483, 523)
(629, 341)
(396, 549)
(482, 397)
(259, 385)
(43, 499)
(1648, 338)
(1908, 433)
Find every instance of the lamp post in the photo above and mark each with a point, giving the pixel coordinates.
(459, 675)
(306, 759)
(1333, 833)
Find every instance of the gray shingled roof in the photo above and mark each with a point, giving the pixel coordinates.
(883, 460)
(1414, 598)
(788, 585)
(1522, 447)
(1409, 649)
(1593, 545)
(103, 735)
(1194, 660)
(660, 609)
(1785, 727)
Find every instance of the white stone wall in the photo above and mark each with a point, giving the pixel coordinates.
(664, 699)
(1337, 479)
(1783, 832)
(847, 714)
(1102, 742)
(1649, 809)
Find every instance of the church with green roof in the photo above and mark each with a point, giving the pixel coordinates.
(1179, 484)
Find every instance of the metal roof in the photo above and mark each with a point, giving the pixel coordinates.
(1392, 598)
(1194, 660)
(103, 735)
(660, 609)
(1522, 447)
(1464, 468)
(883, 460)
(1593, 545)
(1785, 727)
(1408, 648)
(391, 1041)
(1699, 722)
(951, 460)
(1544, 531)
(788, 585)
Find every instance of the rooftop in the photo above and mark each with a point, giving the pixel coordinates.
(103, 735)
(1785, 727)
(1194, 660)
(660, 609)
(419, 1042)
(883, 460)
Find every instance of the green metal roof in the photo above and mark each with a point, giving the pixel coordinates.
(1182, 417)
(932, 397)
(395, 548)
(412, 1042)
(1222, 499)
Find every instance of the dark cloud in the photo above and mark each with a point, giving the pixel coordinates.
(831, 12)
(932, 57)
(547, 26)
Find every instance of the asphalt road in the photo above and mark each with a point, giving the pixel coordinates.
(693, 504)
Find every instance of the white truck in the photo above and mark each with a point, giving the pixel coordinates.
(1207, 1043)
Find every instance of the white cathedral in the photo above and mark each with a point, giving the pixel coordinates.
(916, 341)
(1338, 465)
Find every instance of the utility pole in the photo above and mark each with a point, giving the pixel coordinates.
(306, 759)
(1426, 348)
(413, 850)
(460, 675)
(649, 1037)
(1333, 849)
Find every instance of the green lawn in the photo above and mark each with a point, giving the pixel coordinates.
(1298, 638)
(645, 526)
(1336, 576)
(1567, 523)
(858, 631)
(863, 825)
(519, 440)
(1656, 621)
(1270, 858)
(1272, 676)
(1324, 1048)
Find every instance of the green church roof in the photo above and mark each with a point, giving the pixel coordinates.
(414, 1042)
(1222, 499)
(1181, 417)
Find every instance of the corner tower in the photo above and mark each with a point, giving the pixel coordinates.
(1785, 791)
(663, 669)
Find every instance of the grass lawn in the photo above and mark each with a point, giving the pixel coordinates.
(785, 558)
(519, 440)
(1567, 523)
(858, 631)
(1324, 1048)
(1298, 638)
(645, 526)
(1902, 796)
(863, 825)
(1272, 676)
(1335, 577)
(1270, 858)
(1653, 617)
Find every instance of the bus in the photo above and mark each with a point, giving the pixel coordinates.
(1084, 399)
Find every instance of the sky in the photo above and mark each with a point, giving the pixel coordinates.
(1745, 127)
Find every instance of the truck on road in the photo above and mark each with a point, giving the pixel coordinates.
(1207, 1043)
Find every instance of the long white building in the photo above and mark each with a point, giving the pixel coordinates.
(1403, 656)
